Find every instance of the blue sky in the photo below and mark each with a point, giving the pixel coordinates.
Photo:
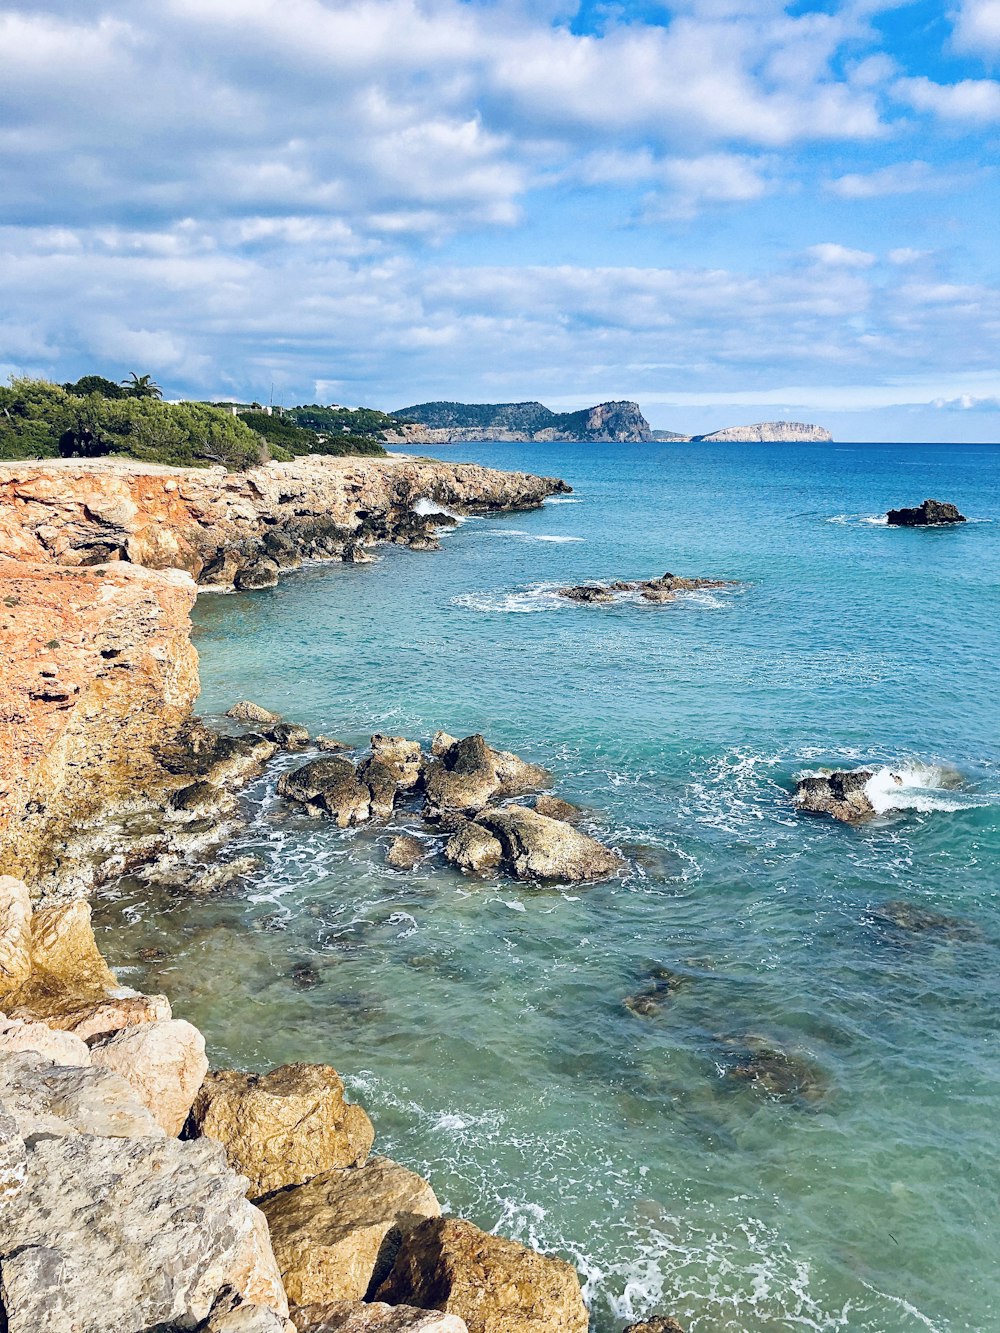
(729, 210)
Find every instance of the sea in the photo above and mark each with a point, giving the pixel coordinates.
(491, 1028)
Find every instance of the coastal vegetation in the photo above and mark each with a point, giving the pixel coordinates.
(96, 417)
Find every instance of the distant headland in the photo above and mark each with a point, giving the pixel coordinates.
(620, 422)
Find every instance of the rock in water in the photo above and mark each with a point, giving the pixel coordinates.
(554, 807)
(164, 1063)
(468, 774)
(659, 1323)
(587, 592)
(930, 514)
(536, 847)
(472, 847)
(406, 852)
(330, 785)
(334, 1237)
(289, 736)
(402, 757)
(281, 1128)
(356, 1317)
(495, 1285)
(912, 919)
(245, 711)
(120, 1234)
(782, 1075)
(838, 793)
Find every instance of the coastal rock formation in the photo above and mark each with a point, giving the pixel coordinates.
(494, 1284)
(405, 853)
(120, 1234)
(374, 1317)
(402, 757)
(467, 774)
(840, 793)
(662, 589)
(930, 514)
(450, 423)
(658, 1324)
(163, 1062)
(25, 1034)
(554, 807)
(473, 847)
(535, 847)
(246, 711)
(47, 1098)
(281, 1128)
(331, 786)
(335, 1236)
(768, 432)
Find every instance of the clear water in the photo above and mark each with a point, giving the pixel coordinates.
(483, 1025)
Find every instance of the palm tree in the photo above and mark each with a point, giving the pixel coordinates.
(141, 386)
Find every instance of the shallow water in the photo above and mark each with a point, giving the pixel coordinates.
(483, 1024)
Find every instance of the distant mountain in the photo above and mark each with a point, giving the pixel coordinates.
(443, 422)
(768, 432)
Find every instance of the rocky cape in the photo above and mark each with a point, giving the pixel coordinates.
(763, 432)
(453, 423)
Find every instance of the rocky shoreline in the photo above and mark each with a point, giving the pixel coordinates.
(139, 1190)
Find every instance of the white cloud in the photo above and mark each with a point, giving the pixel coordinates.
(898, 178)
(977, 26)
(968, 402)
(975, 101)
(907, 255)
(840, 256)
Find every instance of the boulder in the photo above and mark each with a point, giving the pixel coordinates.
(659, 1323)
(164, 1062)
(840, 793)
(588, 593)
(330, 785)
(288, 736)
(103, 1017)
(495, 1285)
(330, 743)
(468, 774)
(22, 1034)
(932, 513)
(64, 953)
(15, 933)
(260, 574)
(281, 1128)
(334, 1237)
(46, 1098)
(203, 800)
(120, 1234)
(553, 807)
(245, 711)
(233, 761)
(13, 1160)
(404, 758)
(358, 1317)
(538, 848)
(405, 852)
(380, 780)
(231, 1314)
(473, 847)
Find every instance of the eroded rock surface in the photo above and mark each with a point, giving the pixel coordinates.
(932, 513)
(839, 793)
(468, 774)
(163, 1062)
(375, 1317)
(47, 1098)
(495, 1285)
(281, 1128)
(538, 848)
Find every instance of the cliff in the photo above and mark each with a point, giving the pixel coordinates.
(447, 423)
(768, 432)
(99, 562)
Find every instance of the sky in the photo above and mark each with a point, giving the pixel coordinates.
(727, 210)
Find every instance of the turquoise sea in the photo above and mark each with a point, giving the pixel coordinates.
(482, 1024)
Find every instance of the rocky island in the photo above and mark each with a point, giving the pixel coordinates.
(452, 423)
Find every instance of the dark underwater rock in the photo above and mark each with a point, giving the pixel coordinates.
(289, 735)
(661, 987)
(930, 514)
(587, 592)
(782, 1075)
(914, 920)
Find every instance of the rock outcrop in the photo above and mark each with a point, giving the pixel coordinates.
(768, 432)
(840, 793)
(466, 775)
(662, 589)
(335, 1237)
(495, 1285)
(451, 423)
(930, 514)
(163, 1062)
(281, 1128)
(660, 1323)
(534, 847)
(373, 1317)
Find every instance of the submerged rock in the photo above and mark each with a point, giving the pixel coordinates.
(537, 848)
(468, 774)
(245, 711)
(662, 986)
(916, 920)
(840, 793)
(406, 852)
(782, 1075)
(335, 1236)
(496, 1285)
(932, 513)
(281, 1128)
(659, 1323)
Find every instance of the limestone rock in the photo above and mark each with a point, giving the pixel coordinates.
(260, 574)
(23, 1034)
(357, 1317)
(536, 847)
(769, 432)
(101, 1018)
(840, 793)
(15, 933)
(468, 774)
(330, 743)
(334, 1236)
(473, 847)
(330, 785)
(403, 757)
(380, 780)
(406, 852)
(495, 1285)
(553, 807)
(13, 1160)
(932, 513)
(245, 711)
(46, 1098)
(289, 736)
(120, 1234)
(588, 593)
(164, 1062)
(281, 1128)
(64, 952)
(203, 800)
(230, 1314)
(657, 1324)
